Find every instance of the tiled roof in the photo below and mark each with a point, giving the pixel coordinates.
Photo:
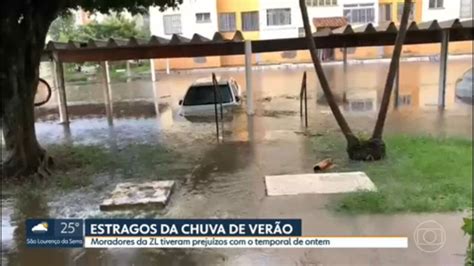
(330, 22)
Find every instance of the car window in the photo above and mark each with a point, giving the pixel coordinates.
(200, 95)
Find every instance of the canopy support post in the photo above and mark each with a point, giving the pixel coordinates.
(443, 68)
(248, 76)
(58, 75)
(107, 91)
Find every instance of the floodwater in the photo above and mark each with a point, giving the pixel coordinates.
(226, 180)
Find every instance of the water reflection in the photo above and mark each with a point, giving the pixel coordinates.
(416, 78)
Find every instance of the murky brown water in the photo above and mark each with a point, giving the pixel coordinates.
(227, 179)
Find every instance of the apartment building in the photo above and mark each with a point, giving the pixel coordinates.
(192, 16)
(243, 16)
(360, 12)
(273, 19)
(441, 10)
(446, 9)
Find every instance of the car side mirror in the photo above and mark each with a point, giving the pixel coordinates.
(180, 102)
(237, 98)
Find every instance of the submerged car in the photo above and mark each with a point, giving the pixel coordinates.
(200, 98)
(464, 90)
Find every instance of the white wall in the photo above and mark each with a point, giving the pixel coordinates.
(188, 11)
(279, 32)
(450, 10)
(375, 2)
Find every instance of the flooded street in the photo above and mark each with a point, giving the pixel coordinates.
(225, 179)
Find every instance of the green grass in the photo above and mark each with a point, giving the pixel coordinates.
(77, 166)
(420, 174)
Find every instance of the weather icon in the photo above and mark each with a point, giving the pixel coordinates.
(40, 228)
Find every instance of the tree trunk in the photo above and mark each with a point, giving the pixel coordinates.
(357, 149)
(341, 121)
(23, 41)
(394, 66)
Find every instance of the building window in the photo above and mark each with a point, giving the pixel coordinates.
(436, 3)
(359, 13)
(203, 17)
(250, 21)
(172, 24)
(321, 2)
(362, 105)
(227, 22)
(466, 9)
(279, 17)
(400, 11)
(385, 12)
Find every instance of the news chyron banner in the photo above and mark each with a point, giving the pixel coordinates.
(182, 233)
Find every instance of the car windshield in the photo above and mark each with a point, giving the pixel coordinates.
(468, 74)
(200, 95)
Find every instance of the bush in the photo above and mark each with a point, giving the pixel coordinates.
(467, 228)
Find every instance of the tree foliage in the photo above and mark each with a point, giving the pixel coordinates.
(467, 228)
(114, 26)
(62, 28)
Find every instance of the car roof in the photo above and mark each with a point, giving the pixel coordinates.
(208, 81)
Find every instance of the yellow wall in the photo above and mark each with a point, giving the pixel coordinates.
(418, 8)
(237, 7)
(465, 47)
(187, 63)
(387, 52)
(359, 53)
(301, 56)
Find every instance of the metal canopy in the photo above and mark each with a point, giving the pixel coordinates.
(178, 46)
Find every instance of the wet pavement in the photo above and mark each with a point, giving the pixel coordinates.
(225, 178)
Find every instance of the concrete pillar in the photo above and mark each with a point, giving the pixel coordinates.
(67, 134)
(156, 99)
(167, 66)
(129, 71)
(251, 129)
(152, 70)
(248, 76)
(443, 68)
(344, 58)
(58, 75)
(155, 88)
(107, 90)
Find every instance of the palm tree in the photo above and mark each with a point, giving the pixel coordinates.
(358, 149)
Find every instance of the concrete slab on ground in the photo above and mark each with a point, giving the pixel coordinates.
(327, 183)
(131, 195)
